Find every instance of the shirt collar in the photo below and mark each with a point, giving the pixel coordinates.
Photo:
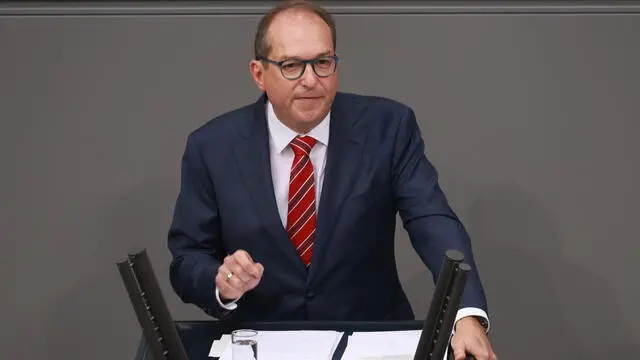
(281, 135)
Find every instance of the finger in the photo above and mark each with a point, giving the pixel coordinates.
(238, 283)
(227, 291)
(231, 262)
(234, 280)
(227, 288)
(222, 279)
(251, 284)
(244, 259)
(492, 355)
(459, 354)
(243, 253)
(458, 348)
(479, 350)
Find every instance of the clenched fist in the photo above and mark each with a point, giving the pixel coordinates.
(237, 275)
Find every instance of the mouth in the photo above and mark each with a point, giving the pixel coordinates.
(308, 97)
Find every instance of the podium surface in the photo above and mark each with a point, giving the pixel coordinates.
(197, 336)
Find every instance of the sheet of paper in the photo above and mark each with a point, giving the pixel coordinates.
(293, 345)
(218, 346)
(379, 345)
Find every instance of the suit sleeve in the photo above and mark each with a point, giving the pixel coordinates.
(194, 236)
(432, 225)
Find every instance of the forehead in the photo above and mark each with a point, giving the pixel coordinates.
(299, 34)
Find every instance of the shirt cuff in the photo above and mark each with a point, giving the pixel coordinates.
(229, 306)
(471, 311)
(464, 312)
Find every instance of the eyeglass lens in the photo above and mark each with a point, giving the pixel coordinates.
(323, 66)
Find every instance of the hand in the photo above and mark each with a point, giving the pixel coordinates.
(245, 275)
(471, 339)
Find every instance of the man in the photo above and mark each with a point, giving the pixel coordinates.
(287, 206)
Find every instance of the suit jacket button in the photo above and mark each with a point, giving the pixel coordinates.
(311, 295)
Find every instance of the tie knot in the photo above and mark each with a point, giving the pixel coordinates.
(302, 145)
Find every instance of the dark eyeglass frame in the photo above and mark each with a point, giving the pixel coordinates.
(312, 62)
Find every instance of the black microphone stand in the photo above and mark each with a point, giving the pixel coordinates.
(438, 325)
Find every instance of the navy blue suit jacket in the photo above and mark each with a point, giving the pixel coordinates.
(376, 167)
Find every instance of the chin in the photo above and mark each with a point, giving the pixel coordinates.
(311, 115)
(310, 118)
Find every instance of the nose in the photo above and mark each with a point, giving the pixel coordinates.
(308, 78)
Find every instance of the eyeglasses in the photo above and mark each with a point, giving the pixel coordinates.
(293, 69)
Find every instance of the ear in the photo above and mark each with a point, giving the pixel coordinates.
(257, 73)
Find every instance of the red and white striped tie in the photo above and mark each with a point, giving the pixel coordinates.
(301, 218)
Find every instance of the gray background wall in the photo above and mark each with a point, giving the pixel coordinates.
(530, 112)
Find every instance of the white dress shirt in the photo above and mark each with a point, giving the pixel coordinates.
(281, 157)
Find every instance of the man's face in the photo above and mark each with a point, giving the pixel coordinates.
(301, 103)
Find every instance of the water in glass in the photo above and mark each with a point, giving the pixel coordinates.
(244, 345)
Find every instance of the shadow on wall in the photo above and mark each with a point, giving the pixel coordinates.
(95, 319)
(541, 305)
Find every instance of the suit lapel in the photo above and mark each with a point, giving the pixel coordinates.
(252, 154)
(343, 155)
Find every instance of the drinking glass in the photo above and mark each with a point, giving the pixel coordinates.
(244, 344)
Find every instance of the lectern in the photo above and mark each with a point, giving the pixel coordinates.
(165, 343)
